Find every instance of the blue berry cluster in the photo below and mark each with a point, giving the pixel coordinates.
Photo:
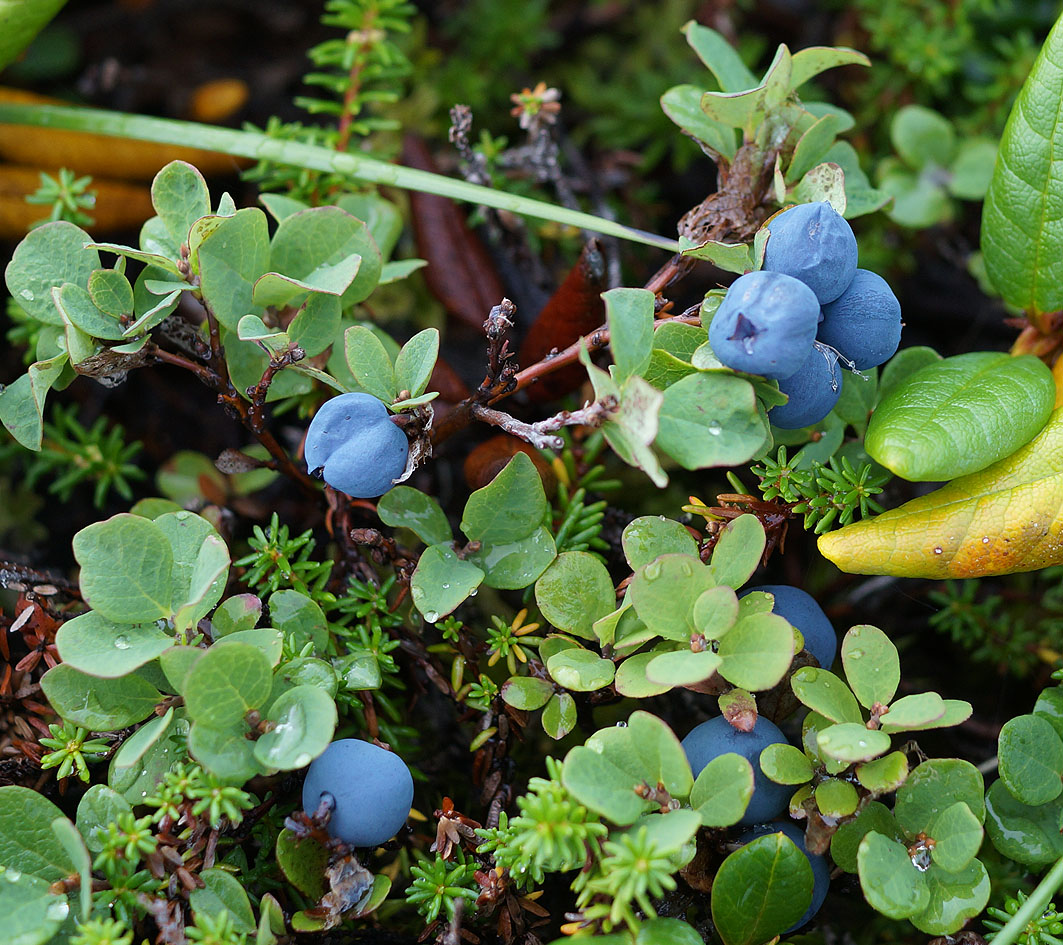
(810, 303)
(353, 445)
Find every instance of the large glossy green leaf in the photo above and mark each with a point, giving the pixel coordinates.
(27, 842)
(761, 890)
(959, 415)
(510, 507)
(998, 521)
(1027, 834)
(1031, 759)
(1022, 223)
(101, 705)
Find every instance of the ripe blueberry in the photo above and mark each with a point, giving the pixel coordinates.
(765, 325)
(820, 867)
(718, 737)
(372, 789)
(864, 322)
(800, 610)
(813, 390)
(814, 243)
(355, 446)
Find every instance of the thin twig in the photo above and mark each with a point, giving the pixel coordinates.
(538, 434)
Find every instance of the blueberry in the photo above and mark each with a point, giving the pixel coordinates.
(765, 325)
(801, 611)
(372, 788)
(355, 446)
(864, 322)
(814, 243)
(813, 390)
(820, 867)
(717, 737)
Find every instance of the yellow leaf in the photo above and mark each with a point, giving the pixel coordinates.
(1005, 518)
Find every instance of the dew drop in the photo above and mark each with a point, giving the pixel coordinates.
(686, 569)
(58, 910)
(121, 642)
(715, 429)
(621, 724)
(653, 571)
(431, 616)
(27, 295)
(474, 592)
(937, 550)
(446, 587)
(303, 760)
(856, 654)
(985, 539)
(861, 743)
(12, 876)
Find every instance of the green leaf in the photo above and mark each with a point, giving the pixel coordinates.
(757, 652)
(312, 243)
(1028, 835)
(760, 890)
(231, 258)
(935, 785)
(722, 790)
(872, 667)
(1049, 705)
(67, 835)
(304, 719)
(76, 306)
(22, 402)
(223, 893)
(664, 592)
(27, 843)
(316, 324)
(405, 507)
(49, 256)
(665, 369)
(98, 807)
(574, 592)
(200, 565)
(95, 645)
(22, 20)
(651, 536)
(225, 752)
(812, 147)
(954, 898)
(682, 103)
(510, 507)
(922, 136)
(845, 841)
(126, 565)
(903, 364)
(972, 171)
(891, 883)
(1022, 231)
(225, 683)
(836, 798)
(851, 741)
(100, 705)
(785, 764)
(682, 667)
(149, 760)
(813, 60)
(1030, 756)
(413, 366)
(711, 419)
(137, 745)
(305, 671)
(730, 257)
(180, 196)
(32, 913)
(240, 612)
(369, 363)
(442, 581)
(825, 693)
(960, 415)
(884, 775)
(911, 713)
(599, 784)
(719, 57)
(738, 551)
(516, 564)
(296, 614)
(716, 611)
(303, 863)
(667, 932)
(629, 315)
(559, 715)
(527, 692)
(632, 679)
(957, 837)
(825, 181)
(580, 670)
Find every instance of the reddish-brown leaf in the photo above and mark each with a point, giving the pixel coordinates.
(574, 310)
(460, 272)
